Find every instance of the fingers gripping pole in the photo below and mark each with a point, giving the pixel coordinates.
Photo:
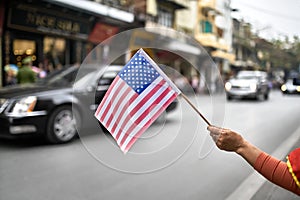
(194, 107)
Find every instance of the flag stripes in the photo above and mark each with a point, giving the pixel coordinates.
(157, 110)
(126, 115)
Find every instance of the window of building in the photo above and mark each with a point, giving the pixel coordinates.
(23, 48)
(54, 51)
(205, 26)
(220, 32)
(165, 17)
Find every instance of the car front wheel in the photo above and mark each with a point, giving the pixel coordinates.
(266, 96)
(229, 98)
(61, 127)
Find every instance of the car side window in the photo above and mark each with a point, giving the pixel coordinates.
(296, 81)
(107, 78)
(105, 81)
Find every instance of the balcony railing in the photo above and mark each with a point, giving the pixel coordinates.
(211, 40)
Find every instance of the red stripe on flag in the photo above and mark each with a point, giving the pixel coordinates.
(123, 112)
(145, 113)
(149, 122)
(116, 92)
(117, 106)
(139, 105)
(147, 97)
(106, 95)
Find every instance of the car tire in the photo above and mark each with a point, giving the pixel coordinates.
(229, 98)
(61, 126)
(103, 128)
(259, 97)
(266, 96)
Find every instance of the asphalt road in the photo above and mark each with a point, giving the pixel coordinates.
(172, 160)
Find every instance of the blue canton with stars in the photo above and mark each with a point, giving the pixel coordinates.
(138, 73)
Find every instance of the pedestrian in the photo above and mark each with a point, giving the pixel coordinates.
(25, 73)
(11, 77)
(195, 83)
(283, 174)
(42, 72)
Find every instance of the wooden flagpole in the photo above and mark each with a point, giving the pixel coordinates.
(194, 107)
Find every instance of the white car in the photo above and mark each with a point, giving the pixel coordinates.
(291, 87)
(250, 84)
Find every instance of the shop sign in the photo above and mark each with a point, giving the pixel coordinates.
(32, 19)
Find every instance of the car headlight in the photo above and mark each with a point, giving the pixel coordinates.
(298, 88)
(24, 105)
(283, 88)
(228, 86)
(253, 86)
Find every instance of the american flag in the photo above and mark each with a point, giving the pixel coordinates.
(135, 99)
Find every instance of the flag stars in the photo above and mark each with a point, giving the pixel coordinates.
(138, 73)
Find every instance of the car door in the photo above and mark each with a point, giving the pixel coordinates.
(264, 83)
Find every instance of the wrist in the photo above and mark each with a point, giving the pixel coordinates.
(242, 148)
(249, 152)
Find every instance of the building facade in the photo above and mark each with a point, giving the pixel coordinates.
(243, 46)
(63, 32)
(213, 30)
(57, 33)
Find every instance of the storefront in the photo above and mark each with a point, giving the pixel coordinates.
(56, 33)
(44, 33)
(51, 36)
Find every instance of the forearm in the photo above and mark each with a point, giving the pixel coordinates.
(273, 169)
(249, 152)
(276, 171)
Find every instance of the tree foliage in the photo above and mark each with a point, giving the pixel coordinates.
(285, 53)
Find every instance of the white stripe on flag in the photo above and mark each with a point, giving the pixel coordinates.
(120, 91)
(147, 104)
(146, 119)
(119, 109)
(136, 102)
(108, 100)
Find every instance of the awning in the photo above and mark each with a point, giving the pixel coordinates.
(224, 55)
(177, 4)
(239, 63)
(96, 8)
(102, 32)
(184, 47)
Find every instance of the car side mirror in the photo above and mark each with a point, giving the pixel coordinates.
(296, 81)
(105, 81)
(90, 88)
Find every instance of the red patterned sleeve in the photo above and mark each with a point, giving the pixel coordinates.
(277, 172)
(293, 163)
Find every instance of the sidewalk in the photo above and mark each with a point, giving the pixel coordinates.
(273, 192)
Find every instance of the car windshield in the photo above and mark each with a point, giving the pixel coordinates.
(84, 80)
(63, 77)
(248, 75)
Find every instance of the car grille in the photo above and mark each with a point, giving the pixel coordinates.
(3, 104)
(239, 87)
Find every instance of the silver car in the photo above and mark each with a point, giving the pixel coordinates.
(248, 84)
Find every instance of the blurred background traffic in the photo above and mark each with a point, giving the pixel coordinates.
(211, 48)
(54, 34)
